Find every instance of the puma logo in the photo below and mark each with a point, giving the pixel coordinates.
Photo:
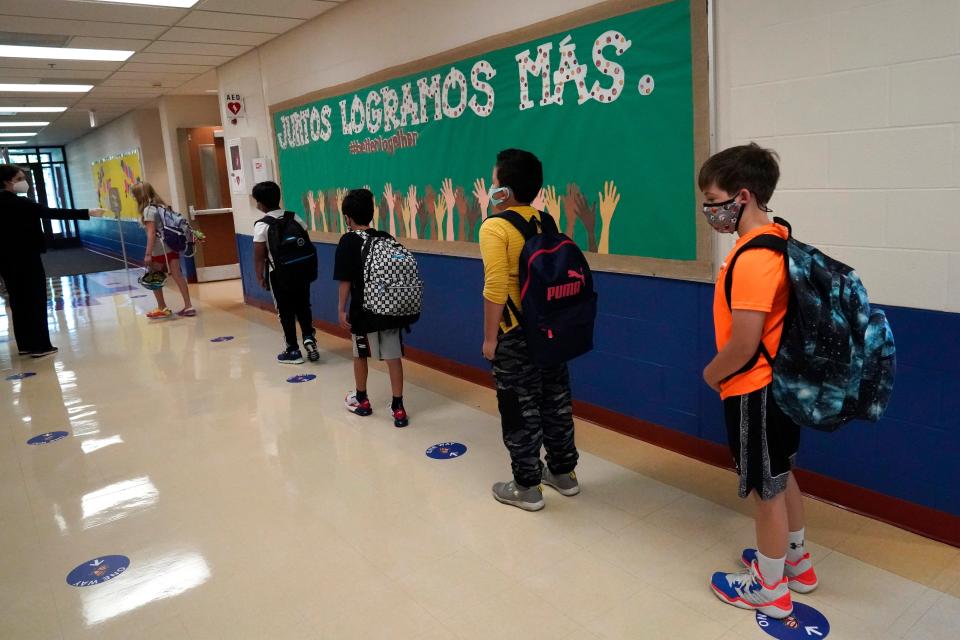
(569, 289)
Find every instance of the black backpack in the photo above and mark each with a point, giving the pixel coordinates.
(557, 300)
(837, 357)
(292, 254)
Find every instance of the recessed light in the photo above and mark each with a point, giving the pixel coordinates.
(180, 4)
(17, 135)
(46, 88)
(23, 124)
(63, 53)
(16, 110)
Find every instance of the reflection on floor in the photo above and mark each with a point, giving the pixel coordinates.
(253, 508)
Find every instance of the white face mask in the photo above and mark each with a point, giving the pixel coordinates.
(21, 187)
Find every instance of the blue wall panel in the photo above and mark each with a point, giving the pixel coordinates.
(655, 335)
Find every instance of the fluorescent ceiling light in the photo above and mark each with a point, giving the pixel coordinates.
(180, 4)
(47, 88)
(63, 53)
(15, 110)
(7, 143)
(17, 135)
(23, 124)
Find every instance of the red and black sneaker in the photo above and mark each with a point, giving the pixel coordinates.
(400, 418)
(358, 407)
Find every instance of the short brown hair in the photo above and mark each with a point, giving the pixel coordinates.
(748, 166)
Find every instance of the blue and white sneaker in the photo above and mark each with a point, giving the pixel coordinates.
(748, 590)
(290, 356)
(801, 577)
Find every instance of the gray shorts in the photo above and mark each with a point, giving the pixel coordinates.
(382, 345)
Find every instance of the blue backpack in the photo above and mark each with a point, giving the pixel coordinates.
(558, 306)
(837, 358)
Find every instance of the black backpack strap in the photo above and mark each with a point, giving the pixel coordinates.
(765, 241)
(526, 229)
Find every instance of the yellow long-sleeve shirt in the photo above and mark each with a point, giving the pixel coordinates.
(500, 246)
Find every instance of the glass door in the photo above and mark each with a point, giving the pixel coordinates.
(49, 185)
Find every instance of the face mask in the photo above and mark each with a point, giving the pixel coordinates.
(494, 200)
(724, 216)
(21, 187)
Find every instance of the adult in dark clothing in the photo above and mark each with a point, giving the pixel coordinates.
(21, 267)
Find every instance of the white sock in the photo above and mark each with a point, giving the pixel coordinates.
(795, 549)
(771, 568)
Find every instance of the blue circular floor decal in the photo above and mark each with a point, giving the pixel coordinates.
(47, 438)
(221, 339)
(806, 623)
(446, 450)
(98, 570)
(21, 376)
(304, 377)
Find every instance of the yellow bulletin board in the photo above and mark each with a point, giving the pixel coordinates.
(114, 177)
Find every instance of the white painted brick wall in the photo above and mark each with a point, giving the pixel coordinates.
(861, 98)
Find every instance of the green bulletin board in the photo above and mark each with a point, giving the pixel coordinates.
(608, 105)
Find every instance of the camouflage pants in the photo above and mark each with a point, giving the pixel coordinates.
(535, 410)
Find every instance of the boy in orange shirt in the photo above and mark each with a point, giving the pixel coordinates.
(737, 184)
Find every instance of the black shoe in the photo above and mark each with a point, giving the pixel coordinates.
(290, 356)
(44, 353)
(310, 345)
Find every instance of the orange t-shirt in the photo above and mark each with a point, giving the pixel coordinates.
(760, 283)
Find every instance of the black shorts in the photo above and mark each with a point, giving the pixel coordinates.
(763, 441)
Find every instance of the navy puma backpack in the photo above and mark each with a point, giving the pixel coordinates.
(558, 306)
(837, 358)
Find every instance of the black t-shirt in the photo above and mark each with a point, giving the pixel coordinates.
(348, 267)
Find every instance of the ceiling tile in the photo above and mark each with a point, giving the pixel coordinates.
(178, 58)
(80, 27)
(98, 42)
(197, 48)
(238, 22)
(185, 34)
(75, 65)
(302, 9)
(69, 76)
(166, 68)
(132, 79)
(101, 12)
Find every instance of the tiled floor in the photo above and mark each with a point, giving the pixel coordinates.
(254, 508)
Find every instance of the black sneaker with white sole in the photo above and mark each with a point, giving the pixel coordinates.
(310, 346)
(44, 353)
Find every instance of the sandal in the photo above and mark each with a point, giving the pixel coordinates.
(156, 314)
(188, 312)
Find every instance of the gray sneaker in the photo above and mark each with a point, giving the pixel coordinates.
(565, 483)
(526, 498)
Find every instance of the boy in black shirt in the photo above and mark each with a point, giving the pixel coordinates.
(385, 345)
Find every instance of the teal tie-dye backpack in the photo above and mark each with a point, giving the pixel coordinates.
(837, 358)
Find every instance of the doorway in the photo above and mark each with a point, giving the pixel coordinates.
(46, 172)
(204, 163)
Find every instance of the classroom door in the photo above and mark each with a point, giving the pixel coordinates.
(205, 178)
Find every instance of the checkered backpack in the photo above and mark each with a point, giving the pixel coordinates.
(392, 288)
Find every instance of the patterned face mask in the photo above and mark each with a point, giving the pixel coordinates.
(724, 216)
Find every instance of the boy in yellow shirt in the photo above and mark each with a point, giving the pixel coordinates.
(535, 403)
